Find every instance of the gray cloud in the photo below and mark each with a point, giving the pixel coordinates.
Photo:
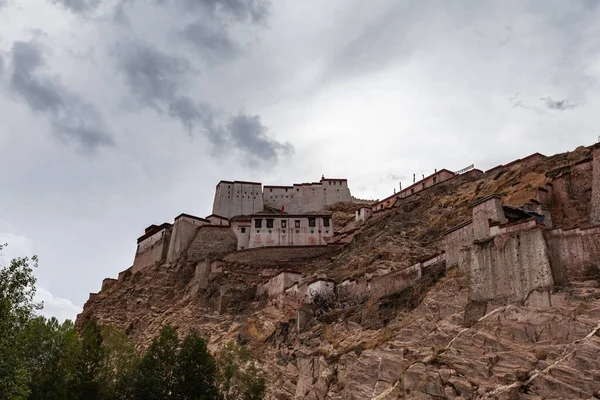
(558, 104)
(241, 132)
(255, 11)
(151, 75)
(71, 118)
(156, 79)
(79, 6)
(1, 65)
(249, 134)
(212, 39)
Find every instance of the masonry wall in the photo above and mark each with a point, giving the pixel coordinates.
(574, 254)
(211, 242)
(290, 234)
(216, 220)
(363, 214)
(509, 267)
(151, 250)
(279, 256)
(571, 196)
(237, 198)
(455, 240)
(183, 232)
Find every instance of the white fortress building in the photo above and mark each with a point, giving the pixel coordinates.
(233, 198)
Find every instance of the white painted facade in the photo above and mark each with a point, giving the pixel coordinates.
(290, 230)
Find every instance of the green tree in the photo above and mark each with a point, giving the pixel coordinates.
(17, 289)
(195, 371)
(238, 377)
(91, 361)
(120, 365)
(51, 354)
(155, 378)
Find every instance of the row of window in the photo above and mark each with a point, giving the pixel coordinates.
(312, 222)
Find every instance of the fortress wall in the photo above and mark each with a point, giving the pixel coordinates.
(595, 199)
(288, 197)
(278, 256)
(574, 254)
(237, 198)
(290, 235)
(509, 267)
(211, 242)
(184, 230)
(455, 240)
(152, 250)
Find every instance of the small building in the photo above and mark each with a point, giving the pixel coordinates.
(279, 283)
(215, 219)
(363, 213)
(288, 230)
(241, 228)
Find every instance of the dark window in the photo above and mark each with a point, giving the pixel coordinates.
(358, 212)
(412, 191)
(258, 223)
(381, 206)
(269, 223)
(325, 221)
(270, 190)
(243, 230)
(283, 223)
(423, 185)
(297, 223)
(312, 222)
(434, 179)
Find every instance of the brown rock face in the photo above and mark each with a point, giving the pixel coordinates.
(430, 340)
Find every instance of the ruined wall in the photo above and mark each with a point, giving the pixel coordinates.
(486, 210)
(595, 195)
(574, 254)
(291, 230)
(455, 239)
(509, 267)
(237, 198)
(211, 242)
(183, 232)
(217, 220)
(278, 284)
(571, 195)
(151, 250)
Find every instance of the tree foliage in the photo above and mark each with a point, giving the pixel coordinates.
(43, 359)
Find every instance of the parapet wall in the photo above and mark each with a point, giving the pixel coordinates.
(574, 254)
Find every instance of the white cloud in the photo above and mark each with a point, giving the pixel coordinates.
(55, 306)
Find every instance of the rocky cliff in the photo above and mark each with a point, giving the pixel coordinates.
(416, 343)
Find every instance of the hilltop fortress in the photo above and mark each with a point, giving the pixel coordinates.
(246, 198)
(513, 253)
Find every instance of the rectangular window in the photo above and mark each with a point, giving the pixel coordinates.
(412, 191)
(297, 223)
(434, 179)
(269, 223)
(283, 223)
(243, 230)
(312, 222)
(325, 221)
(423, 185)
(258, 223)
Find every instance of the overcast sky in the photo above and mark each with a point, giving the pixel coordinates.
(118, 114)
